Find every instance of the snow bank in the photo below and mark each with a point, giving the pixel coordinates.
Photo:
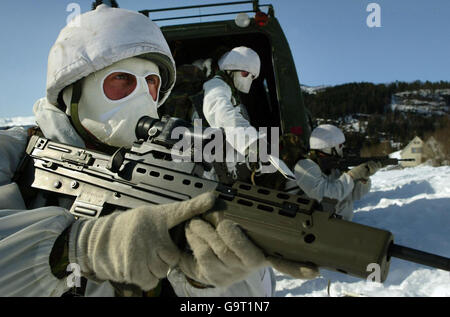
(413, 204)
(17, 121)
(395, 155)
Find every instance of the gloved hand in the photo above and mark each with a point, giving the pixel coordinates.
(221, 256)
(132, 247)
(225, 255)
(373, 167)
(365, 170)
(294, 269)
(361, 171)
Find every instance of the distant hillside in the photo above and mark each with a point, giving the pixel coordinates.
(423, 101)
(338, 101)
(388, 114)
(16, 121)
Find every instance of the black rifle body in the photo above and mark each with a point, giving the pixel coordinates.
(343, 163)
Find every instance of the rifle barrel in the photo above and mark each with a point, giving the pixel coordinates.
(420, 257)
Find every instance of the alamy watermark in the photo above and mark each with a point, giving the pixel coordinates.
(228, 145)
(374, 18)
(375, 275)
(74, 17)
(74, 279)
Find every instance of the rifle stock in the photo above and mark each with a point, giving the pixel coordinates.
(293, 227)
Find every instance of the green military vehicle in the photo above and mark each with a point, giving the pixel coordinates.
(275, 99)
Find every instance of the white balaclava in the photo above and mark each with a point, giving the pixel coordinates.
(241, 59)
(113, 122)
(242, 83)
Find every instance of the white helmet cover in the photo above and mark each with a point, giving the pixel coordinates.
(101, 38)
(241, 58)
(326, 136)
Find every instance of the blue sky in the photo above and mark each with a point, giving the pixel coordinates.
(330, 41)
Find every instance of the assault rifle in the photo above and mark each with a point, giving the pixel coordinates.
(327, 163)
(292, 227)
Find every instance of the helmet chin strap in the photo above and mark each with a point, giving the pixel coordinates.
(90, 140)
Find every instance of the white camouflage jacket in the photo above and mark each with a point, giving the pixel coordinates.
(337, 185)
(221, 112)
(27, 236)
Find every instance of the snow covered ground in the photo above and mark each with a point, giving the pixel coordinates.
(412, 203)
(313, 89)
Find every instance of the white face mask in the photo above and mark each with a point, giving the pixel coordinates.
(115, 98)
(242, 83)
(337, 150)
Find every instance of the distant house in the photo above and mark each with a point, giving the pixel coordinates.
(413, 150)
(422, 151)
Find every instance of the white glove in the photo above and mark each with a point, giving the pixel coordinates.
(294, 269)
(365, 170)
(359, 172)
(132, 247)
(224, 256)
(221, 256)
(373, 167)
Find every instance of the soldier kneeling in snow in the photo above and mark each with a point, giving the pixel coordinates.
(345, 187)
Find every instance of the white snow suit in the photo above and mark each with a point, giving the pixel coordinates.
(337, 185)
(27, 236)
(221, 111)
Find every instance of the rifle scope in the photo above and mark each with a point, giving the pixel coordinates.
(161, 131)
